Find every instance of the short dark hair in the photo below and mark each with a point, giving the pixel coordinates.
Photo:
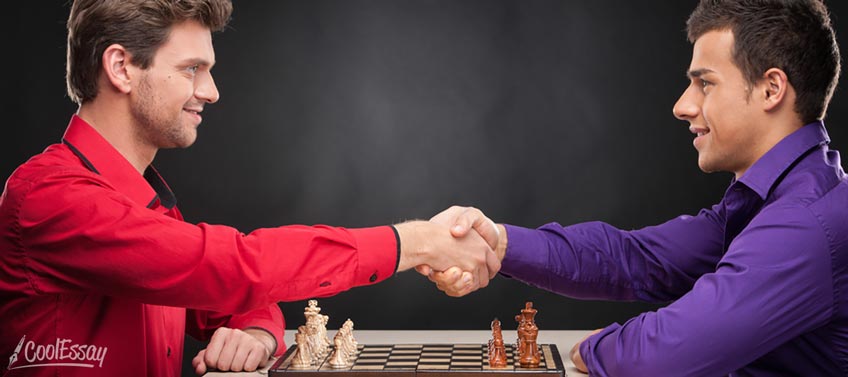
(795, 36)
(140, 26)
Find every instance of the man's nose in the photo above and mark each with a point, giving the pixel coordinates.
(687, 106)
(206, 89)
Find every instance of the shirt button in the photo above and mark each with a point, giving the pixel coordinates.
(169, 351)
(373, 278)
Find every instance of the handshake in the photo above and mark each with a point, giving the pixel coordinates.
(459, 249)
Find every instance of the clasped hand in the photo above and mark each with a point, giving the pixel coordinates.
(467, 222)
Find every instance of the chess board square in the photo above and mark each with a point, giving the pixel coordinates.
(401, 364)
(406, 352)
(467, 352)
(466, 346)
(367, 367)
(487, 367)
(461, 357)
(465, 364)
(394, 357)
(365, 360)
(435, 354)
(408, 346)
(438, 348)
(369, 355)
(433, 366)
(327, 367)
(434, 360)
(378, 349)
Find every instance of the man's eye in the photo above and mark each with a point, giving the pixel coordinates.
(193, 68)
(705, 84)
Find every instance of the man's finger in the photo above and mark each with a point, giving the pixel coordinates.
(228, 353)
(213, 349)
(446, 276)
(254, 359)
(239, 356)
(424, 270)
(493, 263)
(198, 364)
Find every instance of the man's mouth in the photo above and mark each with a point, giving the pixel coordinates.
(699, 135)
(699, 131)
(194, 112)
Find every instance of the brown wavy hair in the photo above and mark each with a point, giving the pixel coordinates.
(140, 26)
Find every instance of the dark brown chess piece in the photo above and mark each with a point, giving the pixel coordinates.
(528, 332)
(497, 350)
(519, 343)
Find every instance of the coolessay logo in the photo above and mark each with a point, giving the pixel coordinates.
(61, 353)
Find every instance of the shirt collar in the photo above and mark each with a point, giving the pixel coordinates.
(762, 176)
(102, 158)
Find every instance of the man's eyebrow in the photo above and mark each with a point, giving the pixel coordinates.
(197, 61)
(696, 73)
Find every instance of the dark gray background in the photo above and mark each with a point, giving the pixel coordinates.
(362, 113)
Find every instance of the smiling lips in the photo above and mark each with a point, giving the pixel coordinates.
(699, 131)
(194, 112)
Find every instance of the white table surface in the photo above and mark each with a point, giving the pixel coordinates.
(564, 340)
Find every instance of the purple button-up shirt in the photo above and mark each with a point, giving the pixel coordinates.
(759, 282)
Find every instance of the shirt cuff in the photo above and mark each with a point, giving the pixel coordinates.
(591, 352)
(270, 320)
(377, 252)
(523, 251)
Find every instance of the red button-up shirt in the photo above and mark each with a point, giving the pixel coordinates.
(98, 268)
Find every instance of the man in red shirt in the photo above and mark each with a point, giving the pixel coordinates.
(100, 275)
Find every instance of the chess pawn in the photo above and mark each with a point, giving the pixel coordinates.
(497, 354)
(301, 358)
(497, 350)
(347, 341)
(340, 342)
(339, 357)
(351, 340)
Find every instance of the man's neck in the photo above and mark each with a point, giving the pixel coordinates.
(776, 129)
(115, 124)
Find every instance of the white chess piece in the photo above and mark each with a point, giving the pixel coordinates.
(339, 358)
(301, 359)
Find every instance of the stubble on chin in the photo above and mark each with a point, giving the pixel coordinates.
(154, 125)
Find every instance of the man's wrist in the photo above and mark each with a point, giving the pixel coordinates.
(265, 337)
(500, 250)
(413, 243)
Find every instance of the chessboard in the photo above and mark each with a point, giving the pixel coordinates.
(429, 360)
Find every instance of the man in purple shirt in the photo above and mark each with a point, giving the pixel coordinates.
(758, 281)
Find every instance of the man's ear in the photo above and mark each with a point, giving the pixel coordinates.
(774, 87)
(116, 66)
